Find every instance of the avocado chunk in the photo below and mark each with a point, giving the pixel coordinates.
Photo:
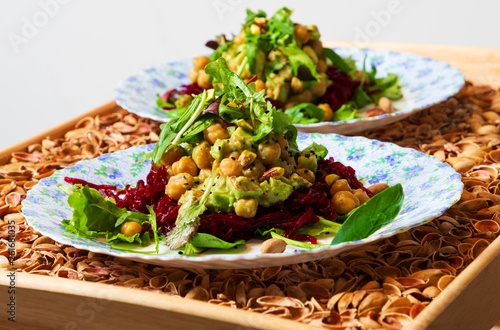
(242, 187)
(220, 201)
(274, 191)
(241, 139)
(296, 181)
(220, 149)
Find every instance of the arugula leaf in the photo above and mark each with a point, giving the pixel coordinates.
(281, 28)
(154, 228)
(252, 15)
(305, 113)
(220, 50)
(337, 60)
(319, 150)
(345, 112)
(188, 218)
(300, 244)
(369, 217)
(231, 81)
(298, 58)
(318, 228)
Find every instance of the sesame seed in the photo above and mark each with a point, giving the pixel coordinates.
(286, 147)
(306, 171)
(220, 147)
(186, 184)
(233, 158)
(180, 252)
(307, 155)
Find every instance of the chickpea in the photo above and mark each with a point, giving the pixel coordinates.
(378, 187)
(240, 38)
(307, 174)
(317, 46)
(283, 143)
(130, 228)
(259, 85)
(200, 62)
(320, 88)
(269, 152)
(345, 202)
(255, 170)
(297, 85)
(285, 165)
(231, 167)
(233, 65)
(172, 155)
(340, 185)
(201, 155)
(311, 53)
(321, 66)
(361, 195)
(234, 155)
(328, 111)
(178, 184)
(203, 79)
(304, 97)
(215, 132)
(185, 165)
(246, 207)
(204, 174)
(301, 33)
(331, 178)
(193, 75)
(183, 101)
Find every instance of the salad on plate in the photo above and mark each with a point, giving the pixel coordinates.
(226, 170)
(288, 62)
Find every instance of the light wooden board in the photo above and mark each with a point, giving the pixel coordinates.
(470, 302)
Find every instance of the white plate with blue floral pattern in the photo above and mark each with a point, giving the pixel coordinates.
(430, 188)
(423, 81)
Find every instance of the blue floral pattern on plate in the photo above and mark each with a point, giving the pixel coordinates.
(424, 81)
(430, 188)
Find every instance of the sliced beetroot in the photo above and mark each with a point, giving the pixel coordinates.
(341, 89)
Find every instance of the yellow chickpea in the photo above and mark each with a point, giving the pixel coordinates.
(345, 202)
(361, 195)
(240, 38)
(203, 79)
(301, 33)
(307, 174)
(304, 97)
(317, 46)
(269, 152)
(246, 207)
(193, 75)
(233, 65)
(130, 228)
(215, 132)
(200, 62)
(204, 174)
(178, 184)
(185, 165)
(172, 155)
(340, 185)
(259, 85)
(328, 111)
(297, 85)
(201, 155)
(331, 178)
(321, 66)
(231, 167)
(320, 88)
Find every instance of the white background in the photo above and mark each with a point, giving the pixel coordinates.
(73, 61)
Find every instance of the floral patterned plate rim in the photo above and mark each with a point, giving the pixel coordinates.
(430, 188)
(424, 82)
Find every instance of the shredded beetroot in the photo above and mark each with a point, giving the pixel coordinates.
(191, 89)
(302, 207)
(341, 90)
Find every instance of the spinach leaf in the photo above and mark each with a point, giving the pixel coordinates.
(202, 240)
(93, 214)
(117, 237)
(305, 113)
(369, 217)
(319, 150)
(318, 228)
(300, 244)
(336, 60)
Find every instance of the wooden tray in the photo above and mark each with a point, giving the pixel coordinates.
(44, 302)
